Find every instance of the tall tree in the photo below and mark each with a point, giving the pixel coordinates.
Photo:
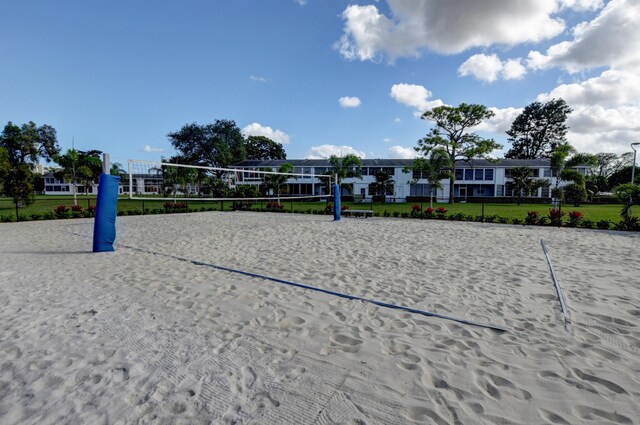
(69, 164)
(346, 166)
(277, 182)
(214, 145)
(452, 136)
(263, 148)
(5, 166)
(80, 166)
(434, 169)
(538, 130)
(24, 147)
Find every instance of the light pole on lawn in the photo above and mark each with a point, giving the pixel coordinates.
(633, 171)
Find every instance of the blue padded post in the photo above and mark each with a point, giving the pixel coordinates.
(336, 202)
(104, 225)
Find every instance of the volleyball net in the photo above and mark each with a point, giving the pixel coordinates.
(181, 182)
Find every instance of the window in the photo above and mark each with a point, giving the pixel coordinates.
(500, 190)
(417, 174)
(49, 180)
(459, 172)
(545, 192)
(547, 172)
(468, 174)
(479, 174)
(507, 172)
(49, 188)
(488, 174)
(419, 190)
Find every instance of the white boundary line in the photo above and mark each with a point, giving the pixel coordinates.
(565, 310)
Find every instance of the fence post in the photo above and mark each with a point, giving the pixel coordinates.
(483, 211)
(143, 207)
(559, 213)
(17, 214)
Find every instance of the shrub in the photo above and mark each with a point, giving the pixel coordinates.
(35, 216)
(428, 213)
(458, 217)
(603, 224)
(490, 218)
(516, 221)
(396, 214)
(274, 206)
(376, 214)
(588, 224)
(441, 212)
(416, 211)
(5, 219)
(532, 217)
(574, 218)
(61, 211)
(503, 220)
(472, 218)
(344, 207)
(627, 223)
(405, 214)
(575, 193)
(91, 210)
(76, 208)
(386, 213)
(49, 215)
(555, 216)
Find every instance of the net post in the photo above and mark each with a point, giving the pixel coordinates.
(104, 225)
(336, 202)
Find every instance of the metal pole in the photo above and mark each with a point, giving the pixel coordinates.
(633, 175)
(17, 214)
(106, 166)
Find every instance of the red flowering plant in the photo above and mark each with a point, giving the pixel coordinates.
(429, 213)
(533, 217)
(574, 218)
(555, 216)
(416, 210)
(76, 208)
(441, 212)
(61, 211)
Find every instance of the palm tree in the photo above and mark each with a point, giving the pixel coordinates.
(434, 170)
(563, 169)
(384, 184)
(68, 162)
(524, 183)
(276, 182)
(346, 166)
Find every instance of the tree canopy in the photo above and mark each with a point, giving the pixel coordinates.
(434, 169)
(346, 166)
(451, 135)
(263, 148)
(23, 147)
(538, 130)
(214, 145)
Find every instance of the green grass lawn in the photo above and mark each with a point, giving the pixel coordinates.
(45, 204)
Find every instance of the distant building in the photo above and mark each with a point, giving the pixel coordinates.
(478, 179)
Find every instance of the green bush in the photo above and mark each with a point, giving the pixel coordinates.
(35, 216)
(575, 193)
(6, 219)
(516, 221)
(396, 214)
(587, 224)
(386, 213)
(405, 214)
(603, 224)
(503, 220)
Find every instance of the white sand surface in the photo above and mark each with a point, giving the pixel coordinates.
(139, 336)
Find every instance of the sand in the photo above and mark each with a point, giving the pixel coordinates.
(139, 336)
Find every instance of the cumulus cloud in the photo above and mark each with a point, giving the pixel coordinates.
(581, 4)
(349, 102)
(257, 129)
(501, 120)
(489, 68)
(325, 151)
(415, 96)
(606, 111)
(445, 26)
(301, 2)
(399, 152)
(612, 39)
(152, 149)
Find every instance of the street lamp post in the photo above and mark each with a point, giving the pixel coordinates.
(633, 171)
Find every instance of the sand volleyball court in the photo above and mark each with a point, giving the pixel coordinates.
(147, 335)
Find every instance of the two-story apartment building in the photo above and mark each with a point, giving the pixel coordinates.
(478, 178)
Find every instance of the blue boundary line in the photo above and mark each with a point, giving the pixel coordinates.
(328, 292)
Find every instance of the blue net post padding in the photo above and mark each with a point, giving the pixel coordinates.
(336, 202)
(104, 225)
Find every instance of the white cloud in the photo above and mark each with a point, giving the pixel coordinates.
(396, 120)
(501, 120)
(387, 140)
(444, 26)
(489, 68)
(349, 102)
(399, 152)
(325, 151)
(259, 79)
(152, 149)
(581, 4)
(301, 2)
(415, 96)
(612, 39)
(257, 129)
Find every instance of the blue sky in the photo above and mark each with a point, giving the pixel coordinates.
(119, 75)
